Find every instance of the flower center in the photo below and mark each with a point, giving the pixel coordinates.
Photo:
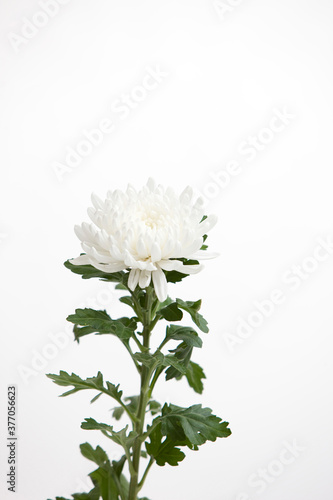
(151, 219)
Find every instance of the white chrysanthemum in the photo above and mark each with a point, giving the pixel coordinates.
(146, 232)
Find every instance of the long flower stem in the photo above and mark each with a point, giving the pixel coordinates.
(143, 400)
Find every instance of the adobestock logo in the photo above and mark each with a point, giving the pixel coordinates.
(248, 149)
(122, 108)
(31, 27)
(223, 7)
(291, 279)
(58, 341)
(265, 476)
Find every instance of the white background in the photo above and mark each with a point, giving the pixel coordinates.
(227, 72)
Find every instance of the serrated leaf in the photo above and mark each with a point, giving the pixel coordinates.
(175, 363)
(64, 379)
(185, 333)
(132, 406)
(118, 465)
(195, 423)
(119, 437)
(118, 412)
(183, 353)
(152, 361)
(163, 452)
(171, 312)
(91, 424)
(96, 455)
(154, 407)
(103, 478)
(88, 321)
(194, 375)
(192, 308)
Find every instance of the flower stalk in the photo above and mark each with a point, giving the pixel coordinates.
(143, 399)
(143, 241)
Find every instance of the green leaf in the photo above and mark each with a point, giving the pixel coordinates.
(127, 299)
(163, 452)
(64, 379)
(87, 271)
(96, 397)
(171, 312)
(118, 411)
(118, 465)
(194, 375)
(98, 455)
(152, 361)
(93, 494)
(120, 286)
(185, 333)
(91, 321)
(107, 479)
(175, 363)
(192, 308)
(119, 437)
(183, 353)
(195, 423)
(91, 424)
(103, 478)
(153, 407)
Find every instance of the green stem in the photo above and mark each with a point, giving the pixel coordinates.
(128, 347)
(141, 483)
(154, 380)
(143, 398)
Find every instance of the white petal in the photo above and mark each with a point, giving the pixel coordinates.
(207, 224)
(80, 233)
(169, 265)
(151, 184)
(204, 255)
(101, 258)
(133, 278)
(160, 284)
(144, 280)
(155, 252)
(108, 268)
(186, 269)
(141, 248)
(194, 247)
(82, 260)
(96, 201)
